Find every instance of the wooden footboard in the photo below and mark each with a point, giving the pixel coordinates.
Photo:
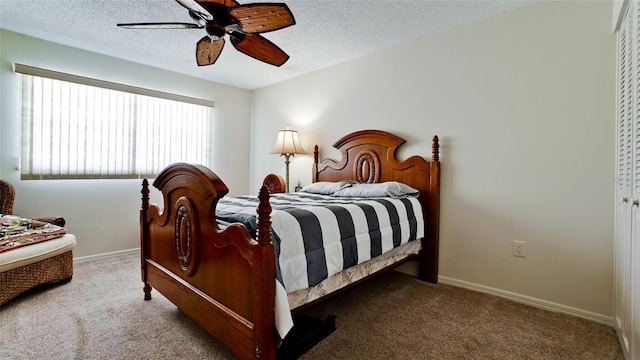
(222, 279)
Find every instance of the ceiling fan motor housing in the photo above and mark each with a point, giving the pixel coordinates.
(216, 27)
(215, 31)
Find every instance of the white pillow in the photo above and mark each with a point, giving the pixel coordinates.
(326, 187)
(386, 189)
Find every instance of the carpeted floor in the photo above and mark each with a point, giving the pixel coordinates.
(101, 314)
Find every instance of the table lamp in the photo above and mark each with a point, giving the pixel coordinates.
(287, 145)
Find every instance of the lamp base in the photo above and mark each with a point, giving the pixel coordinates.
(286, 162)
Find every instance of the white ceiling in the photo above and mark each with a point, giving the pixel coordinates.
(327, 32)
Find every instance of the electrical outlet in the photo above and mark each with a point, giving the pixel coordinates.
(519, 248)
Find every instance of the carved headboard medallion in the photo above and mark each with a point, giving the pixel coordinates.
(367, 167)
(185, 235)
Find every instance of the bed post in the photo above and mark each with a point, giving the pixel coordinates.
(264, 284)
(264, 217)
(315, 164)
(429, 268)
(144, 237)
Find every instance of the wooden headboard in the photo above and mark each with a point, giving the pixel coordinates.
(370, 156)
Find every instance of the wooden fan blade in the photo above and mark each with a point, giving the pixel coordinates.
(192, 5)
(208, 51)
(228, 3)
(259, 48)
(260, 18)
(171, 25)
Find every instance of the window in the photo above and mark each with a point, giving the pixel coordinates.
(77, 128)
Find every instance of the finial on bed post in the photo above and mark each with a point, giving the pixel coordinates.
(314, 172)
(264, 217)
(436, 149)
(145, 194)
(315, 154)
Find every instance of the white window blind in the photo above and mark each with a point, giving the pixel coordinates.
(74, 130)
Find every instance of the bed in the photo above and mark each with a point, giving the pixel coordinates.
(223, 276)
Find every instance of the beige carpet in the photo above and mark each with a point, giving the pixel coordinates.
(100, 314)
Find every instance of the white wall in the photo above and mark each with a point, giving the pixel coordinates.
(524, 104)
(103, 214)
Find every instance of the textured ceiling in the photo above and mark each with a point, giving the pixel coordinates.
(327, 32)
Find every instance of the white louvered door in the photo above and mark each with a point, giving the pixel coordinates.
(634, 251)
(627, 238)
(622, 313)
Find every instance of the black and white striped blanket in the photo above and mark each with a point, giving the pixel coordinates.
(316, 236)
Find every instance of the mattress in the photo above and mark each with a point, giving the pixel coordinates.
(317, 237)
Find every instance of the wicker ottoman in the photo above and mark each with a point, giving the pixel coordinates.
(32, 265)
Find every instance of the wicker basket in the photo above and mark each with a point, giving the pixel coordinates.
(16, 281)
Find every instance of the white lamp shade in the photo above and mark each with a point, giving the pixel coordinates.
(288, 143)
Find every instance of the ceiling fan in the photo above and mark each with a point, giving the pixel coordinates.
(243, 24)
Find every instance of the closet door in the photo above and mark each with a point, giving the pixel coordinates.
(634, 251)
(625, 183)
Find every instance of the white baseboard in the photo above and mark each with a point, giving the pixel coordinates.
(83, 259)
(411, 269)
(528, 300)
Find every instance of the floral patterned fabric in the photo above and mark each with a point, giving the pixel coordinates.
(16, 232)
